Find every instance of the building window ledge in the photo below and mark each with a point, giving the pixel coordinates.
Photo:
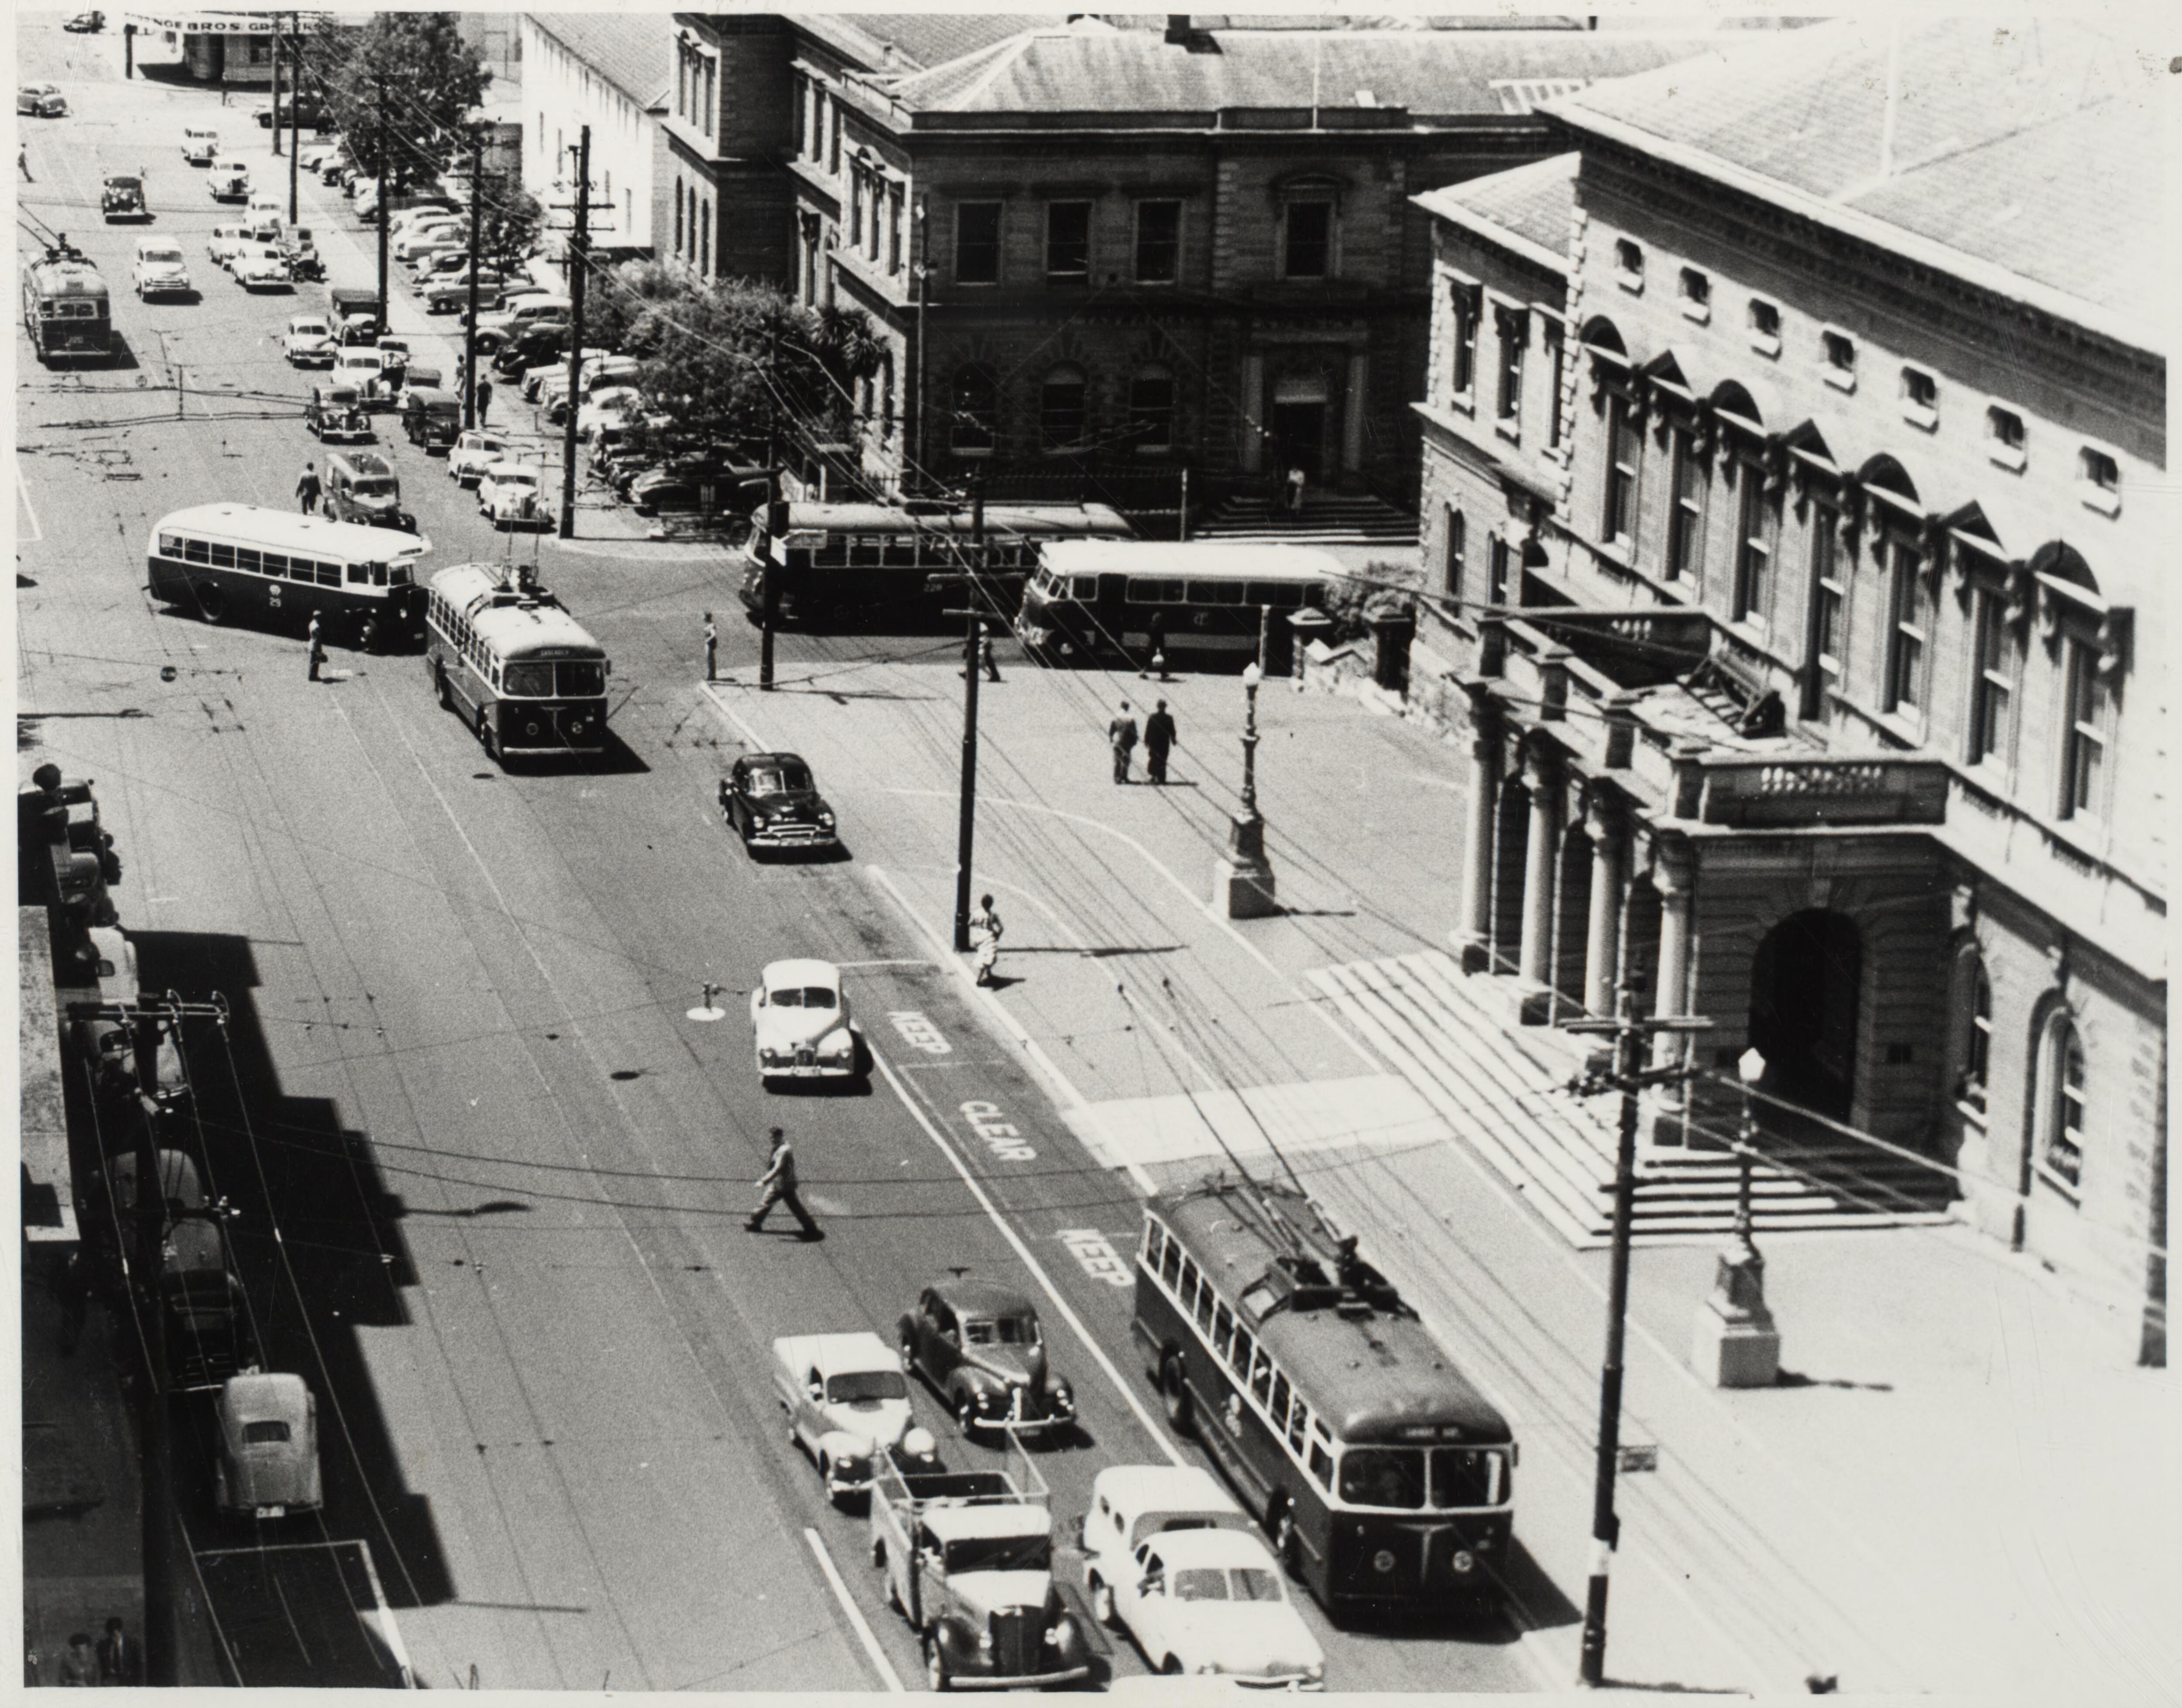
(1699, 312)
(1633, 283)
(1466, 402)
(2098, 499)
(2072, 1196)
(1922, 416)
(1766, 343)
(1615, 552)
(1839, 380)
(1509, 428)
(2011, 458)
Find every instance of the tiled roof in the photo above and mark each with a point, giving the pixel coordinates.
(631, 50)
(921, 39)
(1438, 73)
(2032, 149)
(1535, 203)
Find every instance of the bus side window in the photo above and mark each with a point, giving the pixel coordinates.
(329, 574)
(1171, 1264)
(1298, 1424)
(1223, 1325)
(1153, 1242)
(1083, 589)
(379, 575)
(1322, 1464)
(170, 545)
(1279, 1406)
(246, 558)
(360, 573)
(1239, 1354)
(275, 562)
(195, 551)
(223, 557)
(1261, 1376)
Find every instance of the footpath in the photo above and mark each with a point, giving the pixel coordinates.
(1960, 1483)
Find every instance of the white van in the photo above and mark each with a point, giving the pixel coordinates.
(200, 147)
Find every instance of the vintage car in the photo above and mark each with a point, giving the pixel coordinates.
(684, 484)
(178, 1182)
(159, 270)
(439, 231)
(122, 197)
(394, 363)
(980, 1347)
(337, 412)
(260, 267)
(609, 405)
(511, 493)
(305, 109)
(431, 417)
(41, 101)
(268, 1447)
(224, 241)
(362, 366)
(846, 1400)
(770, 801)
(473, 451)
(361, 487)
(208, 1328)
(309, 338)
(85, 24)
(800, 1025)
(200, 147)
(229, 181)
(450, 295)
(301, 249)
(1170, 1556)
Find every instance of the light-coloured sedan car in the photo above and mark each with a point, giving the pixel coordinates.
(159, 268)
(41, 101)
(847, 1401)
(473, 451)
(803, 1029)
(515, 494)
(426, 234)
(362, 366)
(1200, 1601)
(260, 267)
(309, 338)
(268, 1447)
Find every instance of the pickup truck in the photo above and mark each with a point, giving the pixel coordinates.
(847, 1403)
(968, 1557)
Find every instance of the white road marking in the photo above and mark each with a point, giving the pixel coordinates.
(23, 489)
(864, 1635)
(1038, 1272)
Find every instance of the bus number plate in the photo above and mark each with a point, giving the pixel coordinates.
(1096, 1253)
(920, 1033)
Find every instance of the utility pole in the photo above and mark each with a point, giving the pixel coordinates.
(470, 320)
(1629, 1078)
(160, 1623)
(923, 366)
(776, 519)
(276, 85)
(386, 319)
(973, 632)
(580, 243)
(294, 105)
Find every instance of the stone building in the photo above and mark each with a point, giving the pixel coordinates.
(611, 70)
(1100, 255)
(1793, 486)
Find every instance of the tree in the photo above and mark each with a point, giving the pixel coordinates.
(403, 94)
(508, 228)
(623, 308)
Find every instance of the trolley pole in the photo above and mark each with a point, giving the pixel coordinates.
(160, 1623)
(579, 244)
(385, 317)
(470, 323)
(295, 104)
(1629, 1078)
(972, 581)
(768, 608)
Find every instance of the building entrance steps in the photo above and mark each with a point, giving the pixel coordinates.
(1328, 518)
(1506, 1096)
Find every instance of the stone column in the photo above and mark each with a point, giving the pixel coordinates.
(1672, 876)
(1251, 425)
(1542, 777)
(1473, 933)
(1354, 404)
(1602, 952)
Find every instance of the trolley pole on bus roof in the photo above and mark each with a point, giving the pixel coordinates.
(1629, 1079)
(579, 245)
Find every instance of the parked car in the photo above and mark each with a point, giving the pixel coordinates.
(431, 417)
(770, 801)
(309, 338)
(847, 1402)
(229, 181)
(304, 261)
(337, 412)
(800, 1023)
(363, 367)
(305, 109)
(209, 1335)
(159, 270)
(41, 101)
(449, 293)
(200, 147)
(394, 361)
(608, 405)
(694, 484)
(122, 197)
(1171, 1557)
(980, 1347)
(260, 267)
(436, 232)
(473, 451)
(515, 494)
(268, 1447)
(223, 243)
(315, 159)
(541, 380)
(85, 24)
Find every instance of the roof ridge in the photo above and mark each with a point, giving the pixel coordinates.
(1005, 54)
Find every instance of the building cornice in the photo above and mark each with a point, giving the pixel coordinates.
(1491, 230)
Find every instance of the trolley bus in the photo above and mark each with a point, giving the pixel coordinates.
(1098, 599)
(244, 562)
(1382, 1476)
(506, 657)
(66, 309)
(856, 562)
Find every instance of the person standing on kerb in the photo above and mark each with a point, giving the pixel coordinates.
(711, 649)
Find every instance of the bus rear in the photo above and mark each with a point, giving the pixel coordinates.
(66, 309)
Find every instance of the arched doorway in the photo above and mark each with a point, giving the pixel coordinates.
(1803, 990)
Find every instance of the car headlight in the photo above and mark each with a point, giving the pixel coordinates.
(1463, 1560)
(1315, 1671)
(826, 820)
(985, 1640)
(839, 1043)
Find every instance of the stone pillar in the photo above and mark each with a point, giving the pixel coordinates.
(1602, 952)
(1251, 427)
(1354, 404)
(1674, 879)
(1541, 776)
(1473, 933)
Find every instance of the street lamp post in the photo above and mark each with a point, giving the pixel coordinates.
(1734, 1342)
(1243, 879)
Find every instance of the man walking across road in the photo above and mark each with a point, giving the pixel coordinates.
(318, 647)
(1158, 740)
(779, 1185)
(711, 650)
(1122, 733)
(484, 398)
(307, 488)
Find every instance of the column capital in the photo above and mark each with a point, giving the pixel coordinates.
(1673, 866)
(1602, 820)
(1542, 767)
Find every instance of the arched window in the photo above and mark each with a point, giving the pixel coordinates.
(976, 405)
(1974, 1042)
(2063, 1103)
(1151, 409)
(677, 216)
(705, 240)
(1062, 407)
(886, 398)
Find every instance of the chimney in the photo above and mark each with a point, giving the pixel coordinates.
(1178, 29)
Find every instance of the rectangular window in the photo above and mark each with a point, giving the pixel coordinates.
(977, 243)
(1753, 557)
(360, 572)
(1310, 240)
(1159, 242)
(1514, 327)
(2064, 1148)
(1828, 611)
(246, 558)
(1068, 240)
(1239, 1354)
(893, 228)
(1298, 1422)
(1261, 1378)
(1171, 1263)
(1624, 448)
(196, 552)
(1321, 1463)
(2086, 756)
(1456, 529)
(834, 139)
(1223, 1329)
(275, 562)
(1905, 663)
(1993, 699)
(1556, 357)
(1151, 411)
(223, 557)
(1279, 1406)
(1466, 306)
(1686, 512)
(1498, 561)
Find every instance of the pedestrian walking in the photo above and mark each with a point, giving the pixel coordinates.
(79, 1666)
(484, 398)
(318, 647)
(1295, 484)
(985, 929)
(117, 1657)
(23, 161)
(308, 488)
(778, 1185)
(1158, 740)
(711, 649)
(1121, 732)
(1155, 645)
(985, 657)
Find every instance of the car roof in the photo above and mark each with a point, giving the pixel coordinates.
(838, 1354)
(781, 757)
(267, 1394)
(1183, 1547)
(505, 468)
(1136, 1489)
(804, 972)
(975, 1297)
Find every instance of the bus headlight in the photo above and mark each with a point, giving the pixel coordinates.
(1384, 1562)
(1463, 1560)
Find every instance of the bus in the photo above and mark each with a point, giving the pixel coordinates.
(245, 563)
(1382, 1476)
(506, 656)
(855, 562)
(1094, 600)
(66, 309)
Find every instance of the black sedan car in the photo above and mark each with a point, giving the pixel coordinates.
(980, 1347)
(770, 801)
(697, 484)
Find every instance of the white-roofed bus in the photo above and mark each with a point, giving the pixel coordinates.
(508, 659)
(1098, 600)
(248, 564)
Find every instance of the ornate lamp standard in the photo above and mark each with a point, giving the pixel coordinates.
(1735, 1344)
(1241, 881)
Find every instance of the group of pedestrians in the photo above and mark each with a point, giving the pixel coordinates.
(112, 1661)
(1158, 740)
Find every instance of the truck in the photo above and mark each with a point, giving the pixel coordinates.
(968, 1558)
(353, 309)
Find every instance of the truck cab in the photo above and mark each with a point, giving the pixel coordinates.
(360, 486)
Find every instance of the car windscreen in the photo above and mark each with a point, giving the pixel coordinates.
(778, 779)
(1000, 1554)
(1201, 1584)
(379, 488)
(532, 681)
(514, 477)
(301, 329)
(581, 679)
(266, 1432)
(867, 1384)
(1468, 1477)
(1253, 1583)
(169, 253)
(1002, 1331)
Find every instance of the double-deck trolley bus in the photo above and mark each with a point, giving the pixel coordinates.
(244, 562)
(506, 656)
(1094, 600)
(1382, 1476)
(66, 309)
(858, 562)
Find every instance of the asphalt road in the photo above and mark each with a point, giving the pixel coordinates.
(507, 1171)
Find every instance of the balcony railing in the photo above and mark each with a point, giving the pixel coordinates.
(1862, 789)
